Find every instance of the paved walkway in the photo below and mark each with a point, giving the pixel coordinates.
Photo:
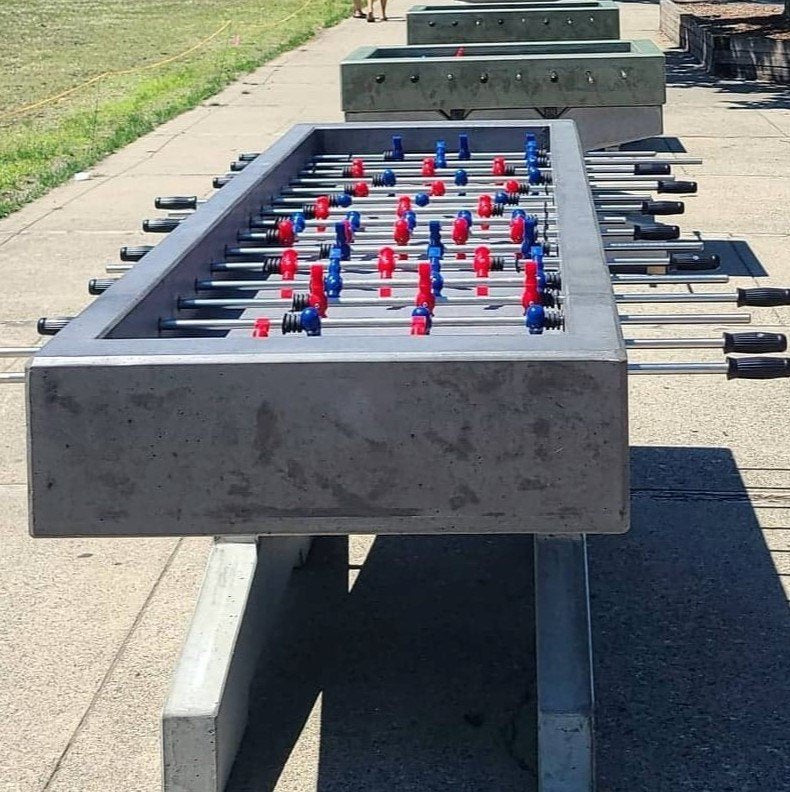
(690, 617)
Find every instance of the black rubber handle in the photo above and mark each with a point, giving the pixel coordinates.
(238, 166)
(652, 169)
(656, 232)
(161, 225)
(248, 156)
(176, 202)
(758, 368)
(52, 326)
(763, 298)
(135, 253)
(627, 269)
(663, 207)
(754, 343)
(221, 181)
(99, 285)
(676, 187)
(688, 262)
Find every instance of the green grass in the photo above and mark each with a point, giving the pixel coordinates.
(48, 46)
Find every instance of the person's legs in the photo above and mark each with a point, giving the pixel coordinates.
(371, 18)
(384, 10)
(358, 9)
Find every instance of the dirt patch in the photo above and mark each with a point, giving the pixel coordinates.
(740, 19)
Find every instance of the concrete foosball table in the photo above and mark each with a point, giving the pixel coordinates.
(613, 90)
(509, 22)
(127, 375)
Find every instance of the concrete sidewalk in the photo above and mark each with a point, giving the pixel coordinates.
(91, 629)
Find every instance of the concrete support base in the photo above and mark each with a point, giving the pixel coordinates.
(206, 712)
(563, 645)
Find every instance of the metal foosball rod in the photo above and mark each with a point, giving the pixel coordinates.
(482, 219)
(470, 185)
(591, 156)
(405, 233)
(763, 297)
(754, 343)
(418, 156)
(500, 212)
(400, 178)
(292, 208)
(464, 150)
(378, 196)
(380, 235)
(758, 368)
(175, 324)
(685, 261)
(343, 201)
(623, 157)
(757, 298)
(680, 244)
(403, 175)
(480, 176)
(360, 165)
(642, 204)
(360, 222)
(533, 190)
(663, 183)
(666, 184)
(496, 166)
(136, 252)
(17, 352)
(271, 264)
(418, 249)
(386, 202)
(285, 229)
(318, 203)
(676, 262)
(607, 214)
(53, 325)
(377, 222)
(98, 285)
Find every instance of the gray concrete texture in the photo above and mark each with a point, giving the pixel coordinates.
(418, 678)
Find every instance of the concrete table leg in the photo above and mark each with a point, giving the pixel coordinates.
(564, 665)
(206, 711)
